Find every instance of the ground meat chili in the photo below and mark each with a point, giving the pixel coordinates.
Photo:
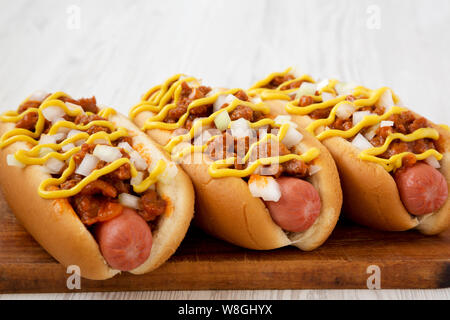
(98, 200)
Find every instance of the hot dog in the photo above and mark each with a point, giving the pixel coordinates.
(422, 188)
(260, 183)
(298, 207)
(90, 187)
(125, 241)
(393, 163)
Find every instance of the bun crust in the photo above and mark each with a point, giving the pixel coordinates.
(225, 208)
(371, 197)
(57, 228)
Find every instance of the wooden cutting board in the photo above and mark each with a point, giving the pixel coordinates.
(405, 260)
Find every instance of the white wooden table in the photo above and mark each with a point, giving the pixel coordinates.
(116, 50)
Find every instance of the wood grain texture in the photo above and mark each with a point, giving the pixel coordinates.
(406, 260)
(123, 48)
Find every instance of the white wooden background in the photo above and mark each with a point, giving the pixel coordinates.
(118, 49)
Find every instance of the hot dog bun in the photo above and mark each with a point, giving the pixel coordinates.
(226, 209)
(371, 196)
(56, 226)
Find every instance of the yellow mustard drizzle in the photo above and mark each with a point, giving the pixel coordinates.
(392, 163)
(278, 93)
(33, 155)
(156, 100)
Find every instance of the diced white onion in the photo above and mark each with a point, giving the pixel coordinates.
(47, 139)
(292, 137)
(137, 179)
(314, 169)
(221, 100)
(54, 165)
(87, 165)
(282, 119)
(359, 116)
(345, 110)
(73, 132)
(361, 143)
(212, 92)
(67, 147)
(73, 106)
(265, 187)
(137, 160)
(257, 100)
(386, 99)
(240, 128)
(306, 89)
(168, 174)
(107, 153)
(222, 120)
(432, 161)
(322, 84)
(371, 132)
(386, 124)
(39, 95)
(344, 88)
(44, 151)
(13, 162)
(126, 146)
(52, 113)
(327, 96)
(130, 201)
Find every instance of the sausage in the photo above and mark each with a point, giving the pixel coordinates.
(125, 241)
(422, 188)
(298, 207)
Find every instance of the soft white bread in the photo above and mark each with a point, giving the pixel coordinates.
(55, 225)
(225, 208)
(371, 197)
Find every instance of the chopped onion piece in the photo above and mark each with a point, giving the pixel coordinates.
(137, 160)
(386, 124)
(282, 119)
(322, 84)
(130, 201)
(44, 151)
(87, 165)
(67, 147)
(47, 139)
(386, 100)
(265, 187)
(240, 128)
(292, 137)
(39, 95)
(222, 120)
(371, 132)
(73, 106)
(314, 169)
(361, 143)
(73, 132)
(345, 110)
(359, 116)
(212, 92)
(137, 179)
(306, 89)
(54, 165)
(432, 161)
(221, 100)
(168, 174)
(327, 96)
(257, 100)
(52, 113)
(126, 146)
(344, 88)
(12, 161)
(107, 153)
(80, 142)
(101, 141)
